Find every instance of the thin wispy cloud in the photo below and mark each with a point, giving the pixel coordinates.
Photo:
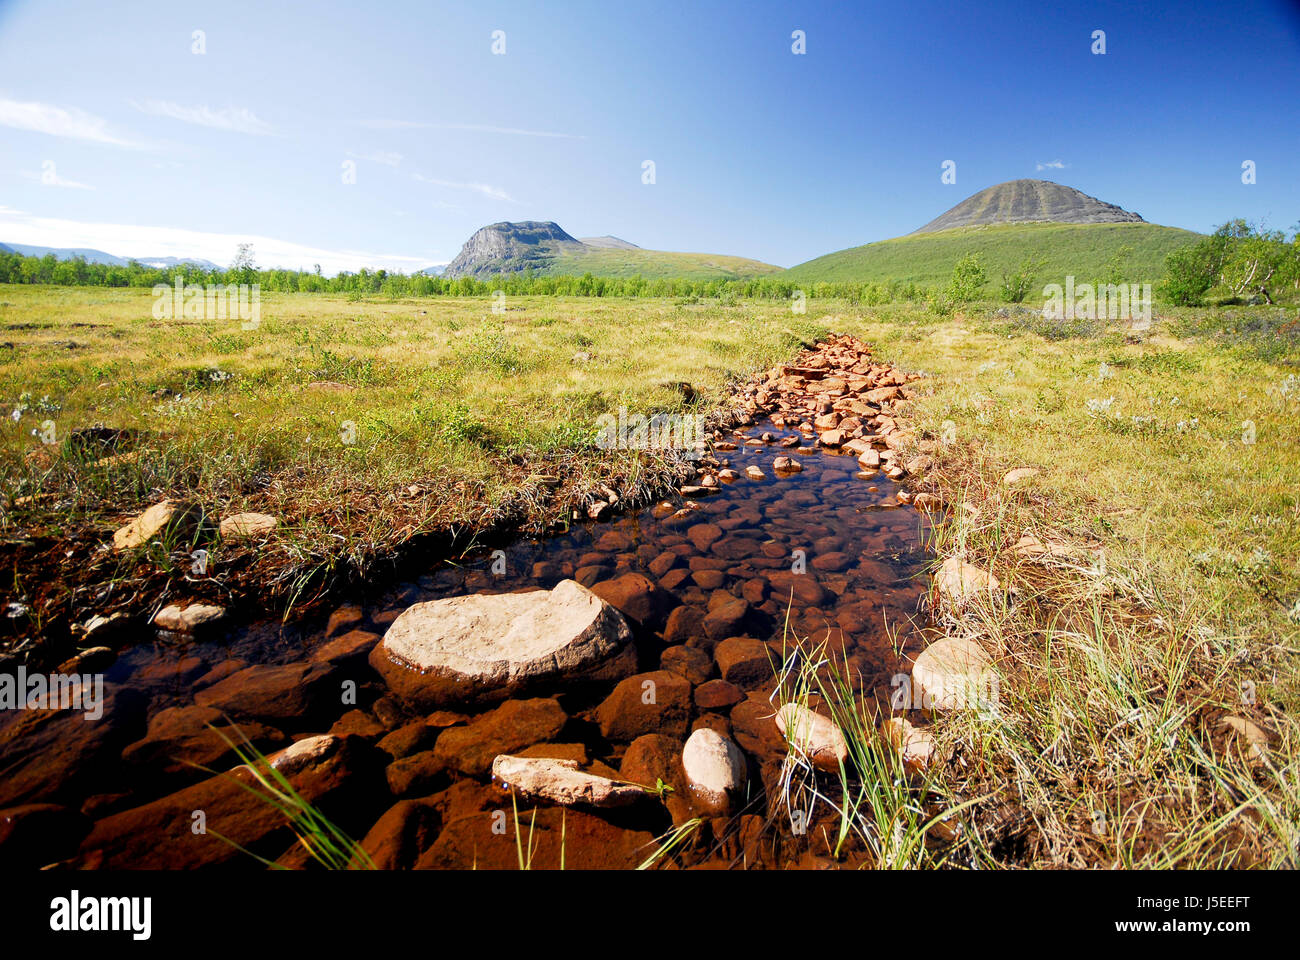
(1051, 165)
(67, 122)
(235, 119)
(51, 178)
(388, 158)
(470, 127)
(510, 131)
(486, 189)
(132, 240)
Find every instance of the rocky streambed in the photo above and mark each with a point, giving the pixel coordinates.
(585, 693)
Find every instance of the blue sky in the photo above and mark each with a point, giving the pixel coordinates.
(115, 135)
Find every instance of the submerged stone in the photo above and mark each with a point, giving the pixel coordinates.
(481, 648)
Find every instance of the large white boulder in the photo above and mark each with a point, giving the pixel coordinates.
(485, 647)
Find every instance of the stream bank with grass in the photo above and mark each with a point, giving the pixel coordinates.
(662, 628)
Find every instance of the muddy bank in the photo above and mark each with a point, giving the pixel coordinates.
(74, 564)
(793, 524)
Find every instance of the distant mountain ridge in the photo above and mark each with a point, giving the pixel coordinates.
(91, 255)
(1008, 224)
(176, 262)
(63, 253)
(545, 248)
(1028, 201)
(511, 248)
(1084, 250)
(611, 243)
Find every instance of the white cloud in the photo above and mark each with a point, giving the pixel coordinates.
(486, 189)
(1051, 165)
(71, 123)
(51, 178)
(471, 127)
(125, 240)
(236, 119)
(388, 158)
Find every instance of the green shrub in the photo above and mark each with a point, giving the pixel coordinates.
(968, 279)
(1016, 286)
(456, 424)
(489, 349)
(1188, 275)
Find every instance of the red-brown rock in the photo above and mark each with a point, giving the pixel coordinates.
(656, 702)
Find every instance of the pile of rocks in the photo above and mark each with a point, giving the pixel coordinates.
(837, 398)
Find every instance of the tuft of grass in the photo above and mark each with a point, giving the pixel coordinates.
(327, 843)
(526, 848)
(904, 821)
(671, 842)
